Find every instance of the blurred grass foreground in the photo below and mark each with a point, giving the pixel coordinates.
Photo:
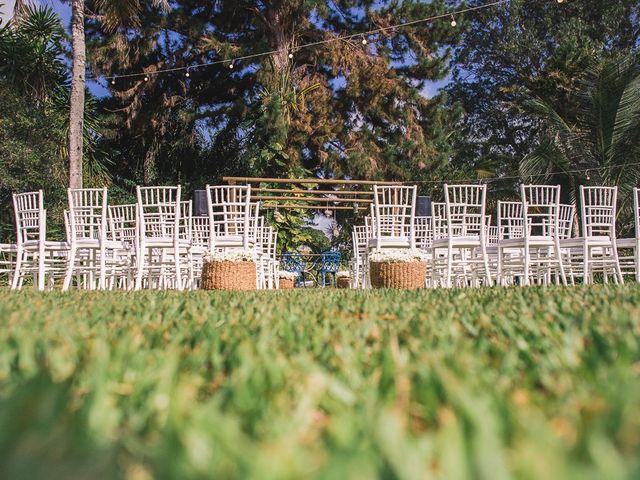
(533, 383)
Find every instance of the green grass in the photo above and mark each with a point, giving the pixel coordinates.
(492, 384)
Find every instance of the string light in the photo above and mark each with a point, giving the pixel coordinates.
(146, 78)
(113, 81)
(187, 74)
(290, 55)
(351, 36)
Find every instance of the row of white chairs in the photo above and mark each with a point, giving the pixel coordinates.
(155, 243)
(533, 242)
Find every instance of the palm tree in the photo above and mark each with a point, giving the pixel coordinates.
(602, 142)
(110, 13)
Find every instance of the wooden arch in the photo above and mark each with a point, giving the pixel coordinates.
(310, 193)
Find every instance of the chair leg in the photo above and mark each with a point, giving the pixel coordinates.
(70, 265)
(17, 276)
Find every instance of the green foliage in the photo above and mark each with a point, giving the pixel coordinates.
(603, 136)
(27, 162)
(523, 49)
(508, 383)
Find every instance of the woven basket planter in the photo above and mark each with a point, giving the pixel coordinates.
(286, 283)
(408, 275)
(228, 276)
(343, 282)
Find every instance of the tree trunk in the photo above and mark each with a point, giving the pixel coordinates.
(76, 115)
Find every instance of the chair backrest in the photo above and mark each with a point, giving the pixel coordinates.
(394, 209)
(424, 232)
(267, 239)
(30, 217)
(565, 220)
(541, 205)
(230, 213)
(439, 220)
(185, 231)
(123, 223)
(598, 206)
(292, 262)
(465, 210)
(200, 231)
(492, 235)
(510, 220)
(87, 214)
(330, 261)
(360, 237)
(159, 212)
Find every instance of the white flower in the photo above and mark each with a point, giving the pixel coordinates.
(230, 255)
(288, 275)
(343, 274)
(397, 255)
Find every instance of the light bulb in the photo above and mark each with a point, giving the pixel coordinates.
(560, 1)
(231, 65)
(453, 22)
(146, 78)
(291, 55)
(364, 41)
(187, 74)
(113, 81)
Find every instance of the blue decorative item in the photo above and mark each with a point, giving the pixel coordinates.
(293, 262)
(329, 266)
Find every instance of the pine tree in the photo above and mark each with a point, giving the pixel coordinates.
(341, 106)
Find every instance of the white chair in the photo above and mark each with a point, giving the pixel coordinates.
(393, 217)
(8, 253)
(231, 217)
(510, 226)
(424, 233)
(122, 232)
(87, 237)
(540, 257)
(360, 239)
(161, 247)
(463, 251)
(630, 263)
(200, 233)
(595, 250)
(34, 253)
(267, 259)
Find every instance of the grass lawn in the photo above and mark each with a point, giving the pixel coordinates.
(493, 384)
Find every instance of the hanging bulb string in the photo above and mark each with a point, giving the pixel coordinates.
(339, 38)
(522, 177)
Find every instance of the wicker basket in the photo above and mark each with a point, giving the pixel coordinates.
(228, 276)
(343, 282)
(286, 283)
(409, 275)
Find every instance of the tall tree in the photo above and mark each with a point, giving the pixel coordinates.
(76, 107)
(528, 49)
(110, 13)
(339, 106)
(602, 139)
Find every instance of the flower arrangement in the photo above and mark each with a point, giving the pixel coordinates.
(343, 274)
(287, 275)
(230, 255)
(397, 255)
